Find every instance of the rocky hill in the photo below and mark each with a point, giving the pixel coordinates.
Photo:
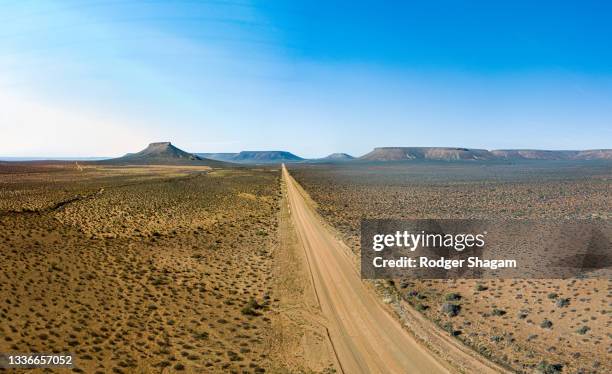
(162, 153)
(338, 157)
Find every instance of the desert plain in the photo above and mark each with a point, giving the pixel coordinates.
(525, 325)
(195, 268)
(139, 269)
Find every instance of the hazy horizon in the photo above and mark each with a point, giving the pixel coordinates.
(81, 79)
(94, 158)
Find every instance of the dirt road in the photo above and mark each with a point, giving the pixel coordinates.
(365, 337)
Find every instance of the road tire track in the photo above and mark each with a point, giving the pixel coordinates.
(366, 338)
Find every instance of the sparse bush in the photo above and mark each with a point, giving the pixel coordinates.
(163, 364)
(179, 366)
(200, 335)
(152, 307)
(481, 287)
(560, 303)
(233, 356)
(158, 281)
(451, 309)
(250, 309)
(453, 296)
(546, 368)
(421, 307)
(449, 328)
(497, 338)
(54, 267)
(546, 324)
(498, 312)
(553, 295)
(583, 330)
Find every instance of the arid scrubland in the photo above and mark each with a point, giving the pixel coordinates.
(139, 269)
(548, 326)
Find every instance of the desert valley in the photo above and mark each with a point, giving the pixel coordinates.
(168, 261)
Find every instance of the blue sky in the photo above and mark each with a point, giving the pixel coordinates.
(102, 78)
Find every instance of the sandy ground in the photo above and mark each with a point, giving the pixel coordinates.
(299, 339)
(139, 269)
(365, 337)
(502, 320)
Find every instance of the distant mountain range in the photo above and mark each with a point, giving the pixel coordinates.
(223, 156)
(414, 153)
(451, 154)
(426, 153)
(161, 153)
(254, 157)
(263, 157)
(532, 154)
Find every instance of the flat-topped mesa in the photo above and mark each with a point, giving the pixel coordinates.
(160, 145)
(265, 157)
(595, 154)
(427, 153)
(459, 153)
(538, 154)
(165, 150)
(533, 154)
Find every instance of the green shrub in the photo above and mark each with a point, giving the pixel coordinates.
(453, 296)
(583, 330)
(546, 368)
(179, 366)
(421, 307)
(250, 309)
(451, 310)
(498, 312)
(546, 324)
